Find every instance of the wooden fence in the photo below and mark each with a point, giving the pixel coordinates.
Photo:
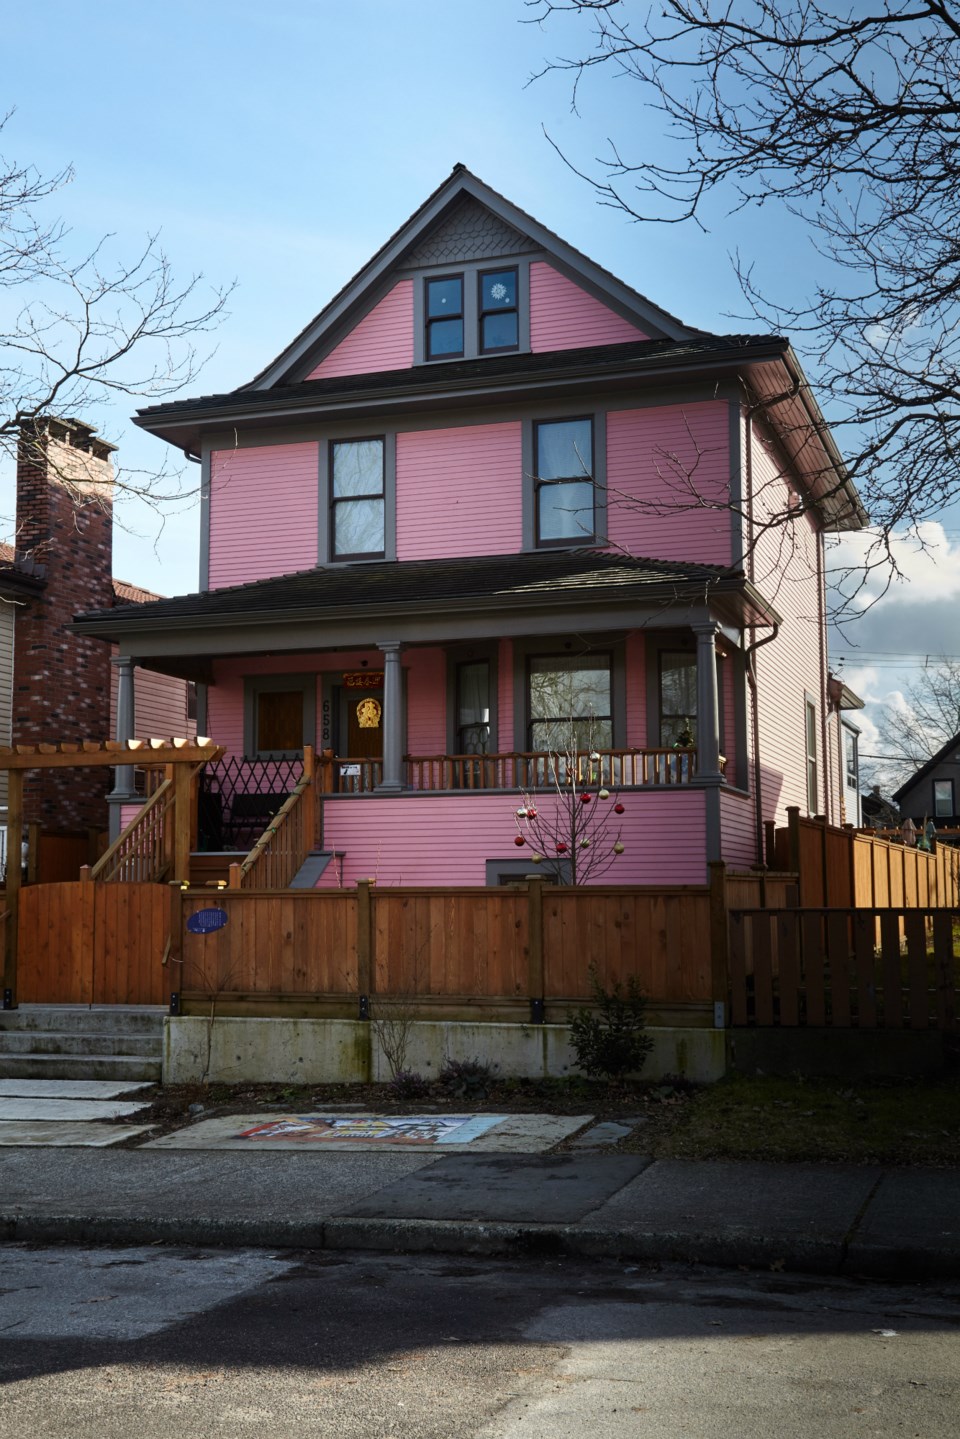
(848, 868)
(515, 952)
(866, 968)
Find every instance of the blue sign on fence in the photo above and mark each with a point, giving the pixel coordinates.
(205, 921)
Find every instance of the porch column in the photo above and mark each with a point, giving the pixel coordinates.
(124, 789)
(392, 781)
(708, 707)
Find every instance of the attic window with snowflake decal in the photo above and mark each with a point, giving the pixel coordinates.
(498, 314)
(445, 317)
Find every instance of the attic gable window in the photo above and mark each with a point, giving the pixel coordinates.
(499, 315)
(444, 317)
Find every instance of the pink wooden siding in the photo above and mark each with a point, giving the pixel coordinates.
(161, 706)
(426, 701)
(668, 482)
(738, 830)
(448, 839)
(785, 565)
(459, 492)
(565, 317)
(383, 340)
(263, 512)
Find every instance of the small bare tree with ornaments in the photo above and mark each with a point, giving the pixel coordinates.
(574, 826)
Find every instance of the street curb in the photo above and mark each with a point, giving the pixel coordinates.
(723, 1251)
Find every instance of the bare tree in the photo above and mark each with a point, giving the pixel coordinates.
(79, 329)
(913, 732)
(848, 118)
(571, 821)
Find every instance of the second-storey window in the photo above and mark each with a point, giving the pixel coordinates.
(563, 481)
(810, 734)
(444, 317)
(943, 797)
(356, 498)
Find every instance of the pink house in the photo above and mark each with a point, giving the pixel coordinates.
(489, 504)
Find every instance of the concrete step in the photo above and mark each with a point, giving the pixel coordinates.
(35, 1041)
(78, 1019)
(66, 1066)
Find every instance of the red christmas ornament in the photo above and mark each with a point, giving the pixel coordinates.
(531, 814)
(585, 798)
(618, 809)
(561, 847)
(519, 839)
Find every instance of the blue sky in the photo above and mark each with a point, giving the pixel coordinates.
(280, 145)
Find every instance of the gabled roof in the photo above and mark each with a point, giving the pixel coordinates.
(942, 754)
(489, 583)
(356, 295)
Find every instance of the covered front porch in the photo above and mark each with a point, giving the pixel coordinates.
(516, 676)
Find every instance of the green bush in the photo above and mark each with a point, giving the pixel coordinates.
(610, 1040)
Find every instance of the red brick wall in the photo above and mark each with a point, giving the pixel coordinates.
(62, 681)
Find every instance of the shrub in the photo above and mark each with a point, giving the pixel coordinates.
(407, 1084)
(466, 1078)
(609, 1040)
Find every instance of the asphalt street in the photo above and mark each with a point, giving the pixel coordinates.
(162, 1341)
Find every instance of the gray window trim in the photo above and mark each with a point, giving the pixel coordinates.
(325, 555)
(473, 654)
(528, 450)
(614, 645)
(471, 271)
(554, 871)
(254, 685)
(810, 702)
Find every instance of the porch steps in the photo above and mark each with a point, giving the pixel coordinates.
(72, 1042)
(210, 867)
(310, 871)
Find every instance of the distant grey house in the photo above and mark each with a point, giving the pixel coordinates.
(934, 791)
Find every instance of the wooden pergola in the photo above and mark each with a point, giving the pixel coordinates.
(180, 757)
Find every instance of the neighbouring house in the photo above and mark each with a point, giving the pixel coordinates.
(490, 503)
(877, 811)
(934, 791)
(57, 685)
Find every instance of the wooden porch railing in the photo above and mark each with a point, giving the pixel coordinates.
(622, 768)
(143, 850)
(289, 837)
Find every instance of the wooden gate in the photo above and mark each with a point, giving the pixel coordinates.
(88, 943)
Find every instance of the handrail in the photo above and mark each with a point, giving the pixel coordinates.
(128, 861)
(287, 840)
(519, 769)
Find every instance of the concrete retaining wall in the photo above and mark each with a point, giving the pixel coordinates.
(345, 1051)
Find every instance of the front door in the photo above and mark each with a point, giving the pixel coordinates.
(362, 726)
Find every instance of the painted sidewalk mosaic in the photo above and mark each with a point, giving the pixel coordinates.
(384, 1129)
(349, 1133)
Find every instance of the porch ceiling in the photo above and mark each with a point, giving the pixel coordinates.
(432, 601)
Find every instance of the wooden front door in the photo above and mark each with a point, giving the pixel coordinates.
(362, 728)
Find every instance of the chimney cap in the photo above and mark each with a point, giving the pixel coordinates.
(68, 428)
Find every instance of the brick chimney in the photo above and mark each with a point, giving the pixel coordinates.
(62, 680)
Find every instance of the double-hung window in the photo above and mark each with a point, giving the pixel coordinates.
(357, 498)
(678, 698)
(444, 317)
(943, 798)
(563, 461)
(570, 703)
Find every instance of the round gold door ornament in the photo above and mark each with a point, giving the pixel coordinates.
(368, 714)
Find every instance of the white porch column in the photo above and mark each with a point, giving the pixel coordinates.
(708, 707)
(392, 781)
(124, 789)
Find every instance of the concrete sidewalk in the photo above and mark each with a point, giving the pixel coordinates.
(891, 1224)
